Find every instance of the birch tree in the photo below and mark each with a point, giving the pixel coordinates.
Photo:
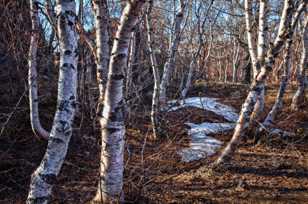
(299, 96)
(102, 46)
(196, 53)
(170, 63)
(271, 117)
(257, 59)
(44, 177)
(259, 81)
(155, 97)
(37, 128)
(112, 120)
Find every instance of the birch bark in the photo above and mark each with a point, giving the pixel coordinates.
(169, 65)
(37, 128)
(102, 46)
(283, 85)
(155, 97)
(299, 96)
(251, 48)
(45, 175)
(258, 84)
(271, 117)
(259, 107)
(112, 120)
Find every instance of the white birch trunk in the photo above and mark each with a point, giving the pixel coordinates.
(45, 175)
(102, 45)
(259, 107)
(129, 70)
(112, 120)
(271, 117)
(169, 65)
(262, 32)
(259, 81)
(155, 97)
(37, 128)
(192, 65)
(299, 96)
(282, 88)
(251, 48)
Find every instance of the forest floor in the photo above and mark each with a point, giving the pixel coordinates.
(273, 171)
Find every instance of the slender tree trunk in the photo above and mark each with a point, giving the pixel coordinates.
(299, 96)
(196, 54)
(251, 48)
(235, 62)
(259, 81)
(102, 46)
(192, 65)
(37, 128)
(133, 59)
(169, 65)
(112, 120)
(285, 77)
(45, 175)
(155, 97)
(261, 48)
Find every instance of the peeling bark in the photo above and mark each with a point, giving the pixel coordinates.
(37, 128)
(45, 175)
(112, 120)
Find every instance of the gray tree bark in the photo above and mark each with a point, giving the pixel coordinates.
(45, 175)
(112, 120)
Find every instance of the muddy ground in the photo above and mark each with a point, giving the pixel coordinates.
(274, 170)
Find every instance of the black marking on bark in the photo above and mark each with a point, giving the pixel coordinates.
(117, 76)
(72, 97)
(49, 178)
(112, 130)
(65, 65)
(55, 140)
(63, 105)
(117, 115)
(68, 132)
(67, 52)
(76, 52)
(62, 21)
(63, 123)
(70, 23)
(37, 200)
(74, 104)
